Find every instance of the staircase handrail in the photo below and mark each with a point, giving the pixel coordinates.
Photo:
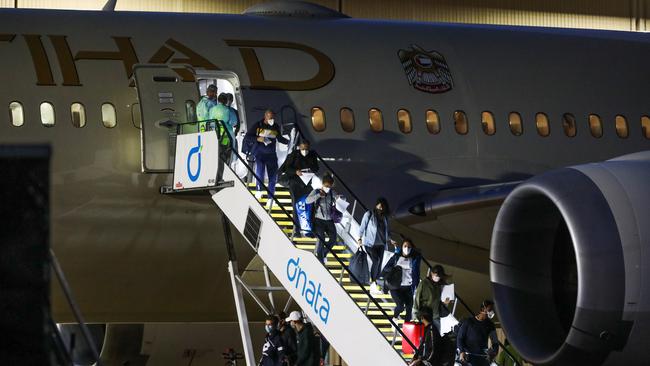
(358, 200)
(67, 292)
(336, 257)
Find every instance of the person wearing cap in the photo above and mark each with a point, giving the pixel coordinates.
(306, 341)
(273, 349)
(473, 334)
(288, 336)
(207, 102)
(427, 295)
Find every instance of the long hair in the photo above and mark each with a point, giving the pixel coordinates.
(384, 204)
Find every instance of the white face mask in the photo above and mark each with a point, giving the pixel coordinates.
(304, 152)
(406, 250)
(436, 278)
(271, 122)
(490, 314)
(326, 189)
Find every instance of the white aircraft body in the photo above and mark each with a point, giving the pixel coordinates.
(481, 108)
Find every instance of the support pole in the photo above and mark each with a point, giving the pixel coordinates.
(267, 277)
(238, 295)
(241, 315)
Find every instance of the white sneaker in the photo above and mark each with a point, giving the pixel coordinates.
(374, 289)
(258, 195)
(269, 204)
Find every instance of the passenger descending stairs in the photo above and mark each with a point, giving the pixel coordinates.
(333, 266)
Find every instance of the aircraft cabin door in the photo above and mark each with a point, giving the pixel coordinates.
(166, 101)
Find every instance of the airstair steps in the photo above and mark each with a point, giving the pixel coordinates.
(334, 267)
(269, 229)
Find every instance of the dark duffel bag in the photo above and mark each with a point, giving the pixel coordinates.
(359, 267)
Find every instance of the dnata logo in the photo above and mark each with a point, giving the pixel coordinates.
(195, 150)
(315, 298)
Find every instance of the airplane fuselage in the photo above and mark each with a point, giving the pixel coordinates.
(132, 252)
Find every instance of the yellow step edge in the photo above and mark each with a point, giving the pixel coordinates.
(361, 295)
(304, 239)
(284, 223)
(341, 255)
(371, 305)
(385, 321)
(277, 209)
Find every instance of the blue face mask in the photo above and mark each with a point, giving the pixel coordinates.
(268, 328)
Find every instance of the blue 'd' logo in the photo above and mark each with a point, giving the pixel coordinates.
(315, 298)
(194, 150)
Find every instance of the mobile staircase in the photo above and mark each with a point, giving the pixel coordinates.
(358, 325)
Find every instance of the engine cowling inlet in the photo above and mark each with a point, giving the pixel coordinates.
(567, 264)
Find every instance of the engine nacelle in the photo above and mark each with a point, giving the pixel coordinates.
(570, 264)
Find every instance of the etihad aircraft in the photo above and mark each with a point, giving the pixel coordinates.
(444, 120)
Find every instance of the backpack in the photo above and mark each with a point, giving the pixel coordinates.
(393, 278)
(249, 144)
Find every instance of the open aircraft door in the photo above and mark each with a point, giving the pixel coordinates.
(166, 101)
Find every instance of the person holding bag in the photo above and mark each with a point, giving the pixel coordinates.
(427, 295)
(374, 236)
(406, 264)
(325, 216)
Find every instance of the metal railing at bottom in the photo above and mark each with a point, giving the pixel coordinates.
(67, 292)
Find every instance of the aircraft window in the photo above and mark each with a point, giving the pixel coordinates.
(595, 126)
(487, 123)
(376, 120)
(404, 121)
(78, 113)
(16, 113)
(543, 127)
(190, 111)
(318, 119)
(347, 119)
(47, 114)
(645, 126)
(516, 127)
(433, 122)
(109, 117)
(460, 122)
(569, 125)
(621, 127)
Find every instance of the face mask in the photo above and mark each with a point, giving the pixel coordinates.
(406, 250)
(436, 278)
(304, 152)
(490, 314)
(268, 328)
(271, 122)
(326, 189)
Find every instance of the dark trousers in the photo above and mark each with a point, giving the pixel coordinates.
(475, 360)
(403, 298)
(297, 189)
(323, 229)
(225, 154)
(376, 253)
(266, 163)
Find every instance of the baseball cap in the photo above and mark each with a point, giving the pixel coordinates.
(294, 316)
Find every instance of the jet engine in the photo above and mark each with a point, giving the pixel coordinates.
(570, 264)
